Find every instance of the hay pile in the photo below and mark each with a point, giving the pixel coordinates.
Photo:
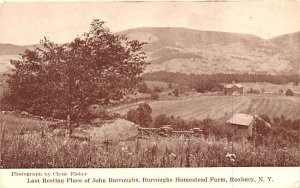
(113, 130)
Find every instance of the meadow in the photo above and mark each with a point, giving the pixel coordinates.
(222, 107)
(31, 143)
(27, 143)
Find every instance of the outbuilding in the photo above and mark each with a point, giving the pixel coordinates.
(243, 124)
(233, 89)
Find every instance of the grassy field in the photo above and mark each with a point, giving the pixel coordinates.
(219, 107)
(29, 143)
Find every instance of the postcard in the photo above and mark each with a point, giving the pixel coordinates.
(148, 93)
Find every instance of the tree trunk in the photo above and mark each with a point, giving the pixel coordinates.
(69, 125)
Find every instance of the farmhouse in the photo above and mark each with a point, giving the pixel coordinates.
(233, 89)
(243, 124)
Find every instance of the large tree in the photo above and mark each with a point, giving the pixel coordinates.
(97, 68)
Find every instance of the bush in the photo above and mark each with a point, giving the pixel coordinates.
(143, 88)
(265, 117)
(158, 89)
(176, 92)
(253, 91)
(289, 92)
(296, 124)
(161, 120)
(97, 111)
(141, 115)
(154, 96)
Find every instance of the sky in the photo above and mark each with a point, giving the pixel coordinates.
(27, 23)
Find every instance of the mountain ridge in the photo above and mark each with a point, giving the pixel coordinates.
(178, 49)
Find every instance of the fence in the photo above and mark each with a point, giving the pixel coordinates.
(167, 131)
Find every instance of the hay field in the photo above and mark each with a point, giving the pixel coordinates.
(220, 107)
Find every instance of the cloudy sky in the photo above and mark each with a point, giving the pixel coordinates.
(27, 23)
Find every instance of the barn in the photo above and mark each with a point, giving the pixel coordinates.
(243, 124)
(233, 89)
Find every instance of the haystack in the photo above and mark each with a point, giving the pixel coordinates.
(114, 130)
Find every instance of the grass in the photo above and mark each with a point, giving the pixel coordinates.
(18, 124)
(222, 107)
(24, 144)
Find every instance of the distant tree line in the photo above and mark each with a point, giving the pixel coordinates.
(213, 82)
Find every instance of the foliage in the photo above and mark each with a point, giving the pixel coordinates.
(283, 122)
(97, 111)
(175, 92)
(296, 125)
(141, 115)
(253, 91)
(143, 88)
(161, 120)
(97, 68)
(38, 147)
(289, 92)
(208, 126)
(203, 83)
(282, 133)
(265, 117)
(158, 89)
(154, 95)
(260, 128)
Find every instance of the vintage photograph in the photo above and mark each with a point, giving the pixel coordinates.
(150, 84)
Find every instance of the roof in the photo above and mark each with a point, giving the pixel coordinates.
(241, 119)
(232, 85)
(229, 86)
(238, 85)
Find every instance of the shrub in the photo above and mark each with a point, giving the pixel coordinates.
(176, 92)
(154, 96)
(253, 91)
(141, 115)
(98, 111)
(143, 88)
(289, 92)
(157, 89)
(261, 128)
(296, 124)
(265, 117)
(162, 119)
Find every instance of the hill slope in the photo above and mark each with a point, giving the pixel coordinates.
(11, 51)
(193, 51)
(204, 52)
